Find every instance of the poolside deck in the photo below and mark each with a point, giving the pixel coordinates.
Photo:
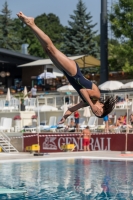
(97, 155)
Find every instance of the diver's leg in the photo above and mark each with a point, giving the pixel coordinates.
(58, 58)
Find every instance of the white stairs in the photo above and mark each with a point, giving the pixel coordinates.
(6, 144)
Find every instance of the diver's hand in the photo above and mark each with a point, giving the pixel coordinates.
(62, 120)
(96, 110)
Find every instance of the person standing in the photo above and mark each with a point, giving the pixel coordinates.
(34, 91)
(77, 116)
(106, 121)
(131, 119)
(86, 138)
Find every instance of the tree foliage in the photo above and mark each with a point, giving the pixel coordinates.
(8, 37)
(122, 20)
(79, 36)
(120, 54)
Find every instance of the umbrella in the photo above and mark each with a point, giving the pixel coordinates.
(45, 108)
(86, 112)
(25, 93)
(8, 95)
(127, 85)
(65, 106)
(66, 88)
(87, 61)
(46, 75)
(111, 85)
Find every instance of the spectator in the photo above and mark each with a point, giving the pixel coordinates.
(86, 138)
(121, 120)
(39, 81)
(77, 116)
(18, 87)
(119, 98)
(127, 99)
(67, 99)
(131, 119)
(71, 126)
(72, 123)
(34, 91)
(106, 121)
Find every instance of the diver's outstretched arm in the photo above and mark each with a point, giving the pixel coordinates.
(71, 110)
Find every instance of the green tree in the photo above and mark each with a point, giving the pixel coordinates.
(122, 20)
(18, 28)
(8, 37)
(97, 39)
(119, 56)
(50, 24)
(122, 26)
(128, 68)
(79, 36)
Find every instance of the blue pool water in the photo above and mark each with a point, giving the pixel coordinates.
(79, 179)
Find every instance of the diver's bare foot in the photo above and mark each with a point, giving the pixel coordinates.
(27, 20)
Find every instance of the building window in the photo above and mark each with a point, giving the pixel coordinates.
(50, 70)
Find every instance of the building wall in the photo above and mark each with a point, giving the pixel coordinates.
(56, 71)
(28, 72)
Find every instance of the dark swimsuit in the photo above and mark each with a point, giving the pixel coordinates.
(79, 81)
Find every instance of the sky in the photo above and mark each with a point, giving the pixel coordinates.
(61, 8)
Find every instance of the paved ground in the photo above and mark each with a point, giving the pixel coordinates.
(102, 155)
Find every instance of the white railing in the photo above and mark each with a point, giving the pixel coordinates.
(7, 144)
(57, 100)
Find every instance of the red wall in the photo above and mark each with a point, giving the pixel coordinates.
(52, 143)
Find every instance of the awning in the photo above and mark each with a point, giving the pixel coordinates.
(45, 62)
(87, 61)
(37, 63)
(82, 60)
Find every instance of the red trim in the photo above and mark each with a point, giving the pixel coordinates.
(52, 142)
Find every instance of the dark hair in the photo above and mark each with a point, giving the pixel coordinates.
(109, 105)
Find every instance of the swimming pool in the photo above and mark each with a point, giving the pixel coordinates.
(77, 179)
